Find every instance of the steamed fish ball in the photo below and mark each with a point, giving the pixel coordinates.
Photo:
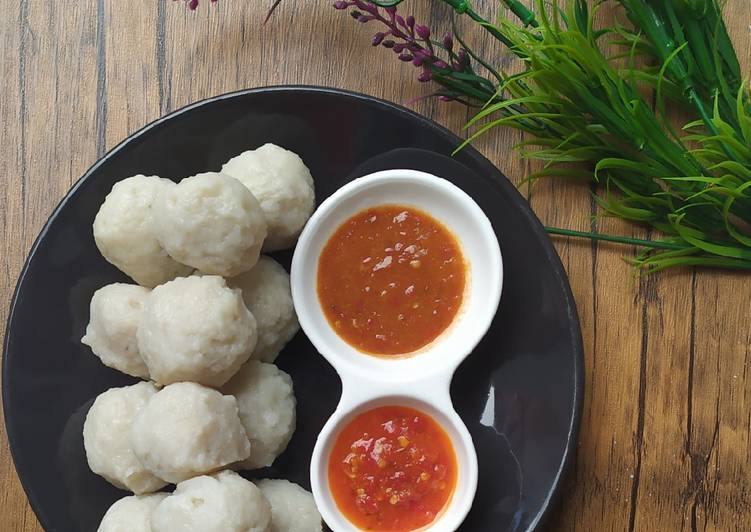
(266, 405)
(292, 508)
(266, 292)
(195, 329)
(212, 222)
(115, 311)
(224, 502)
(284, 187)
(131, 514)
(125, 234)
(186, 429)
(106, 438)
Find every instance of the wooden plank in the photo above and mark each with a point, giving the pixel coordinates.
(718, 444)
(14, 38)
(49, 139)
(672, 488)
(131, 88)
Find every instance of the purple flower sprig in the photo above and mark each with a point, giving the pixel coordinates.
(438, 60)
(193, 4)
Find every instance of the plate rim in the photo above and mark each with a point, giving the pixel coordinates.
(554, 494)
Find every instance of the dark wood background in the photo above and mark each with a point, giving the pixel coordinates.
(666, 432)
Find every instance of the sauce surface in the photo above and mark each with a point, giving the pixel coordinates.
(391, 279)
(392, 469)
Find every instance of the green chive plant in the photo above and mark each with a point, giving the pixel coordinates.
(586, 117)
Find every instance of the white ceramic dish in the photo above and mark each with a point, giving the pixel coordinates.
(421, 380)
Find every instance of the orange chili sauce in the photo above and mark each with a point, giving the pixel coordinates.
(391, 279)
(392, 469)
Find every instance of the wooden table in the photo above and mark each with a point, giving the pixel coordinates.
(666, 430)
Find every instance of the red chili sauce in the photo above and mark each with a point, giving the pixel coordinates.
(392, 469)
(391, 279)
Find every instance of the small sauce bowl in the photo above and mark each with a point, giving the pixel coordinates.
(421, 379)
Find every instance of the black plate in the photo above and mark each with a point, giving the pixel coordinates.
(520, 391)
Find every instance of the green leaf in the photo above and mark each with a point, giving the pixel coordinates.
(742, 112)
(726, 211)
(701, 241)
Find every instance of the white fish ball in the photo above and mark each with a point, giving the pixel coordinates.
(292, 508)
(224, 502)
(266, 405)
(114, 314)
(284, 187)
(267, 294)
(125, 234)
(195, 329)
(186, 430)
(131, 514)
(106, 438)
(212, 222)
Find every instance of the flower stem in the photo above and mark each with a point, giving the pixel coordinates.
(656, 244)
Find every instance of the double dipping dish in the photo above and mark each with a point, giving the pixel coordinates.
(395, 279)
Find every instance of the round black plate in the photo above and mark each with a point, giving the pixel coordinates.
(519, 392)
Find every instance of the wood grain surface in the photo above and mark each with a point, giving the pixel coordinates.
(666, 430)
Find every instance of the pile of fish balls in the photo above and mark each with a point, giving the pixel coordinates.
(202, 324)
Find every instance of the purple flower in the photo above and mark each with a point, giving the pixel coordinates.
(366, 6)
(448, 41)
(193, 4)
(410, 41)
(423, 54)
(423, 32)
(425, 76)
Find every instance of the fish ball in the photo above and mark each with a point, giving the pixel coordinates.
(224, 502)
(195, 329)
(106, 438)
(125, 233)
(292, 508)
(187, 430)
(131, 514)
(266, 404)
(266, 292)
(114, 313)
(284, 187)
(211, 222)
